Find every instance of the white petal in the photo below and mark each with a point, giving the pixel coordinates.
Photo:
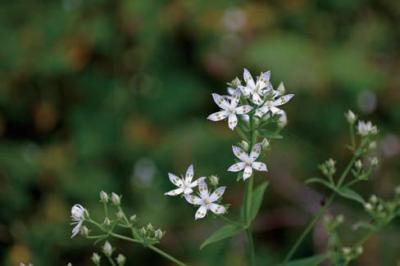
(245, 90)
(218, 116)
(76, 229)
(259, 166)
(265, 76)
(203, 189)
(257, 99)
(255, 152)
(174, 192)
(189, 174)
(274, 110)
(192, 199)
(248, 171)
(220, 101)
(248, 78)
(187, 191)
(201, 212)
(217, 194)
(175, 180)
(216, 208)
(239, 153)
(232, 121)
(244, 109)
(284, 99)
(237, 167)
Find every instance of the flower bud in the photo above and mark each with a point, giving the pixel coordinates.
(103, 197)
(359, 250)
(351, 117)
(150, 227)
(214, 180)
(281, 89)
(143, 231)
(121, 260)
(358, 164)
(107, 249)
(265, 144)
(374, 199)
(340, 219)
(107, 222)
(120, 215)
(374, 161)
(84, 231)
(132, 218)
(346, 250)
(116, 200)
(96, 258)
(235, 83)
(372, 145)
(158, 234)
(368, 206)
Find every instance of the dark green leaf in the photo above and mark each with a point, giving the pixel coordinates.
(222, 233)
(350, 194)
(269, 134)
(256, 200)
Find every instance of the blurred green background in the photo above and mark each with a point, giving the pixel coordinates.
(112, 95)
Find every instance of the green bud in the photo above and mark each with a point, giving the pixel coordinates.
(244, 145)
(107, 222)
(133, 218)
(351, 117)
(214, 180)
(104, 197)
(116, 200)
(121, 260)
(96, 258)
(107, 249)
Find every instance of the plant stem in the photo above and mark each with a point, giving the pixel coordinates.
(320, 212)
(250, 244)
(166, 255)
(111, 261)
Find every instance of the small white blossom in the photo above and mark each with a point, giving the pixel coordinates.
(248, 161)
(366, 128)
(116, 199)
(230, 110)
(206, 201)
(107, 249)
(185, 185)
(77, 217)
(256, 89)
(271, 105)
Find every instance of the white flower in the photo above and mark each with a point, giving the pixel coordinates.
(206, 201)
(248, 162)
(366, 128)
(185, 185)
(77, 216)
(229, 109)
(271, 105)
(255, 89)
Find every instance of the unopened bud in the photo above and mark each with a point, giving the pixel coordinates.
(96, 258)
(368, 206)
(120, 215)
(104, 197)
(374, 161)
(265, 144)
(84, 231)
(346, 250)
(372, 145)
(121, 260)
(107, 222)
(116, 200)
(132, 218)
(358, 164)
(107, 249)
(351, 117)
(214, 180)
(150, 227)
(245, 145)
(158, 234)
(373, 199)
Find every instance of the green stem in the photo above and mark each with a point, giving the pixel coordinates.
(250, 244)
(320, 212)
(166, 255)
(111, 261)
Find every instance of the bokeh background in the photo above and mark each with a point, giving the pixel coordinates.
(112, 95)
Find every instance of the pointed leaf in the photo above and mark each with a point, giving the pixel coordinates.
(350, 194)
(222, 233)
(269, 134)
(256, 200)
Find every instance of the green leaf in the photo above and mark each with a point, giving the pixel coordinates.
(310, 261)
(222, 233)
(269, 134)
(350, 194)
(322, 182)
(256, 200)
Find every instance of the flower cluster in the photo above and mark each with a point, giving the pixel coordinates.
(203, 198)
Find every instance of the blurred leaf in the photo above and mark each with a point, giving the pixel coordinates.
(350, 194)
(222, 233)
(269, 134)
(310, 261)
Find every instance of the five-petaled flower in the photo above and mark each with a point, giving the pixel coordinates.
(256, 89)
(366, 128)
(248, 161)
(206, 201)
(271, 105)
(77, 216)
(230, 109)
(185, 185)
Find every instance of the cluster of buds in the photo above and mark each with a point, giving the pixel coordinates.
(328, 168)
(151, 235)
(382, 211)
(108, 251)
(362, 172)
(332, 223)
(351, 253)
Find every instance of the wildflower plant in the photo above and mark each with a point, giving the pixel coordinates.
(253, 109)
